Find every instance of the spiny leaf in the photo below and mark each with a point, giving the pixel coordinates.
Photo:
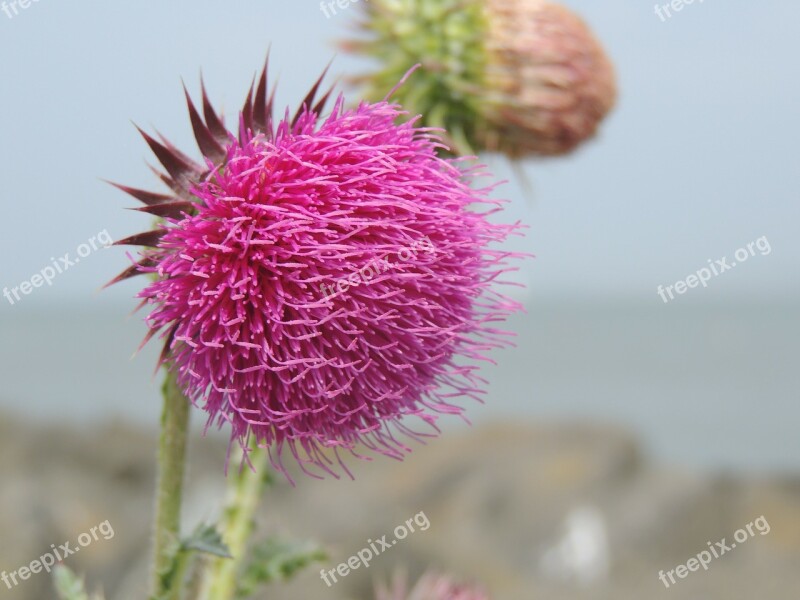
(207, 539)
(277, 560)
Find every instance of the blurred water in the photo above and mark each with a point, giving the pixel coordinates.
(714, 387)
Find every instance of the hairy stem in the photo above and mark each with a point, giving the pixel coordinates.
(169, 493)
(245, 491)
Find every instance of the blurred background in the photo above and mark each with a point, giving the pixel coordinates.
(697, 160)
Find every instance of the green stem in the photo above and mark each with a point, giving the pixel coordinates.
(169, 494)
(244, 494)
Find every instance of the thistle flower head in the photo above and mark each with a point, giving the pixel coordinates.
(521, 77)
(431, 587)
(319, 279)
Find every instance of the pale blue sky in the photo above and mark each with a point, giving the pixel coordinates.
(699, 158)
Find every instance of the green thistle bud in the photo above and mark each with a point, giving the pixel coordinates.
(520, 77)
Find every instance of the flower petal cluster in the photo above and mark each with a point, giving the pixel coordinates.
(431, 587)
(279, 212)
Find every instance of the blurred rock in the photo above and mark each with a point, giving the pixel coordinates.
(556, 512)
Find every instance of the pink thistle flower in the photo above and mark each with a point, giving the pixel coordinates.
(431, 587)
(283, 208)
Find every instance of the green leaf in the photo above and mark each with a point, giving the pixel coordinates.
(207, 539)
(69, 586)
(277, 560)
